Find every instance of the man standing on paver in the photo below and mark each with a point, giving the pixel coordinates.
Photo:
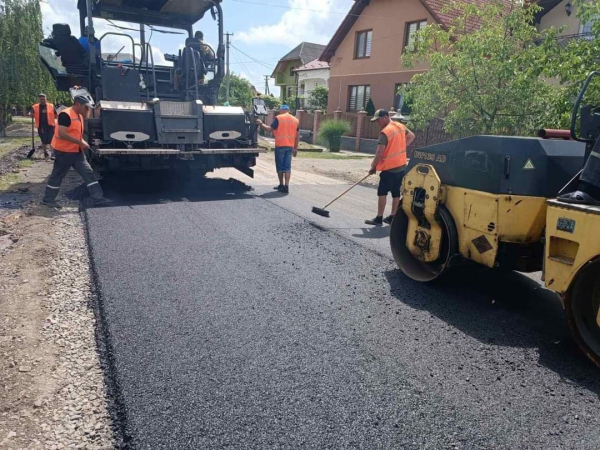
(286, 129)
(69, 145)
(44, 115)
(390, 160)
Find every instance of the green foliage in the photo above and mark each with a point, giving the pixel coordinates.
(271, 102)
(331, 133)
(292, 102)
(370, 108)
(240, 92)
(484, 81)
(22, 75)
(318, 98)
(574, 60)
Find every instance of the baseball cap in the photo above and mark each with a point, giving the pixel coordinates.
(380, 113)
(284, 107)
(41, 94)
(84, 101)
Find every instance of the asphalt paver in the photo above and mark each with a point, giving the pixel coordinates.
(234, 322)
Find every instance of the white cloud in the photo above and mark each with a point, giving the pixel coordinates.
(307, 20)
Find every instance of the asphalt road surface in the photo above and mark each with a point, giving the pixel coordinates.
(237, 319)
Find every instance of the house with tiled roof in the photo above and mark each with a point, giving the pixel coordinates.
(284, 73)
(562, 14)
(310, 76)
(365, 52)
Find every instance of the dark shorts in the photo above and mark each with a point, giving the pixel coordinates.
(283, 159)
(46, 135)
(390, 182)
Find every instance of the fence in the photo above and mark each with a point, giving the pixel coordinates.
(307, 121)
(371, 130)
(364, 134)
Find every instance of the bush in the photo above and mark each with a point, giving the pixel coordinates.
(318, 98)
(370, 108)
(331, 133)
(271, 102)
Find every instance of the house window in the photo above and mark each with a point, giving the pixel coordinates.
(400, 102)
(586, 27)
(358, 97)
(292, 71)
(411, 30)
(363, 44)
(290, 92)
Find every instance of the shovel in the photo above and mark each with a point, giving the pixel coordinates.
(32, 151)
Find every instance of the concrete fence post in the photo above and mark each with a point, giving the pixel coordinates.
(316, 125)
(337, 114)
(299, 115)
(360, 124)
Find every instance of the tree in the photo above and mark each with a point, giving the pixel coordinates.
(370, 108)
(318, 98)
(22, 76)
(486, 78)
(574, 60)
(240, 92)
(271, 102)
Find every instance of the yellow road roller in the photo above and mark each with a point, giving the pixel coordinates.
(493, 200)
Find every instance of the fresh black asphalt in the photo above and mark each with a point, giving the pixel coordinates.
(233, 323)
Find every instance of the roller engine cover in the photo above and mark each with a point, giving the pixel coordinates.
(504, 165)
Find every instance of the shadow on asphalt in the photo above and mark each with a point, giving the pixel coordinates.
(374, 233)
(144, 188)
(502, 309)
(274, 194)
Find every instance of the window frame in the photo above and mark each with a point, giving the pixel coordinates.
(365, 98)
(356, 41)
(407, 32)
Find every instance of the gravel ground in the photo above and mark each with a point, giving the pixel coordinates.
(52, 389)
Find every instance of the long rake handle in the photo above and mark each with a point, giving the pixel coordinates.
(346, 191)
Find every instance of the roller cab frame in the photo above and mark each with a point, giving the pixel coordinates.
(491, 200)
(149, 116)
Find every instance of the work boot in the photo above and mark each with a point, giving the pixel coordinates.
(278, 188)
(285, 190)
(377, 221)
(51, 204)
(388, 219)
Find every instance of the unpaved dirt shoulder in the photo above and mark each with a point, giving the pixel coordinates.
(52, 390)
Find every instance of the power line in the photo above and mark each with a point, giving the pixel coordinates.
(253, 59)
(252, 62)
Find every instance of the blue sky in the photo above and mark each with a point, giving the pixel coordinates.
(263, 29)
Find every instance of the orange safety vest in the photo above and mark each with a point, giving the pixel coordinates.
(49, 113)
(394, 155)
(75, 130)
(287, 130)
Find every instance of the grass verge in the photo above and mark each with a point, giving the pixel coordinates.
(9, 143)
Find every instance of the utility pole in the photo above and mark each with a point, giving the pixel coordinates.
(227, 45)
(267, 85)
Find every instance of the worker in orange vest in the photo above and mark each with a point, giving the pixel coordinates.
(286, 130)
(69, 146)
(44, 115)
(390, 160)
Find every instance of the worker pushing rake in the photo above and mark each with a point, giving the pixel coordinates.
(390, 160)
